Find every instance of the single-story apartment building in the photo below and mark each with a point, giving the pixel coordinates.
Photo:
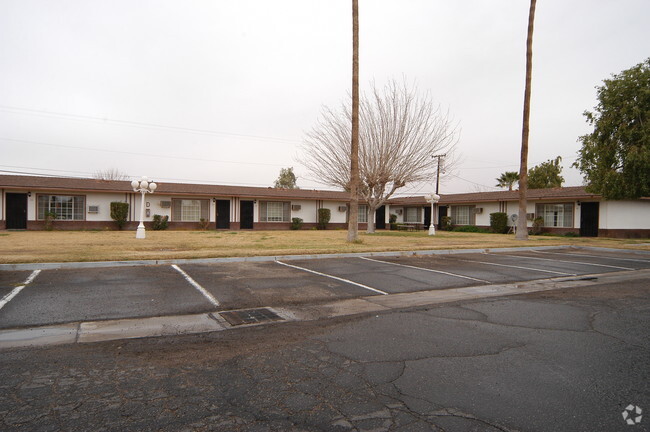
(567, 209)
(82, 203)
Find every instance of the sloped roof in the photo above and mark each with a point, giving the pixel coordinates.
(93, 185)
(571, 192)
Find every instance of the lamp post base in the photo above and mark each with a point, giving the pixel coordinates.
(140, 233)
(432, 230)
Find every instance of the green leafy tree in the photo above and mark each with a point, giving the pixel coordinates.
(615, 157)
(507, 179)
(286, 179)
(546, 175)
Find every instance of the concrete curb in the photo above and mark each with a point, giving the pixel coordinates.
(100, 331)
(102, 264)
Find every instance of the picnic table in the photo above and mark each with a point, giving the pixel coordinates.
(406, 227)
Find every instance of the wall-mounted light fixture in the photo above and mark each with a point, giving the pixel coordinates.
(29, 194)
(578, 203)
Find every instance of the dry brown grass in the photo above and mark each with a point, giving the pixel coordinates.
(65, 246)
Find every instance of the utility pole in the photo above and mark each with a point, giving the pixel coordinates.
(439, 157)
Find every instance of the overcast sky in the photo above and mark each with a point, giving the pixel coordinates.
(223, 91)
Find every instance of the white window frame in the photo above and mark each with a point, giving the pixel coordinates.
(463, 215)
(412, 215)
(363, 214)
(275, 211)
(556, 214)
(76, 211)
(190, 210)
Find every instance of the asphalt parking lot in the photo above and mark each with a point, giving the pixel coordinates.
(50, 296)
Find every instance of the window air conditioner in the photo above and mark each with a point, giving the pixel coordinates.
(165, 204)
(478, 210)
(295, 207)
(93, 209)
(530, 216)
(343, 208)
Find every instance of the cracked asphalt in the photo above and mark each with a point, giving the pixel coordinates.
(562, 360)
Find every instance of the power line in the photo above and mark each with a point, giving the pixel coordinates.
(138, 154)
(44, 113)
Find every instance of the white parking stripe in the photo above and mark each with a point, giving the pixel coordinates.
(426, 269)
(569, 262)
(593, 256)
(192, 282)
(513, 266)
(14, 292)
(334, 277)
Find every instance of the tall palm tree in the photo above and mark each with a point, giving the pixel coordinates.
(353, 226)
(522, 226)
(507, 179)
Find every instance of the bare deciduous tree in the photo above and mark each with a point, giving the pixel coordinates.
(399, 132)
(110, 174)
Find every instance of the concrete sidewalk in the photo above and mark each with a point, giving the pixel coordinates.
(97, 331)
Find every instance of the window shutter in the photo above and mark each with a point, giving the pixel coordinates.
(453, 214)
(262, 211)
(286, 211)
(176, 209)
(205, 209)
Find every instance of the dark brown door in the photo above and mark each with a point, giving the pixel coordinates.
(223, 214)
(16, 211)
(589, 219)
(246, 212)
(380, 218)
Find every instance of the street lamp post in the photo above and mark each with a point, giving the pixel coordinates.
(433, 199)
(144, 186)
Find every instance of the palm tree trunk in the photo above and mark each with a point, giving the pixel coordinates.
(522, 225)
(353, 226)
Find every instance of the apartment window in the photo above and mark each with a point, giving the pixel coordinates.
(412, 215)
(275, 211)
(556, 215)
(363, 214)
(462, 215)
(188, 210)
(65, 207)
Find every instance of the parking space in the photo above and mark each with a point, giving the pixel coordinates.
(9, 280)
(58, 296)
(244, 285)
(382, 275)
(543, 267)
(618, 258)
(475, 266)
(33, 298)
